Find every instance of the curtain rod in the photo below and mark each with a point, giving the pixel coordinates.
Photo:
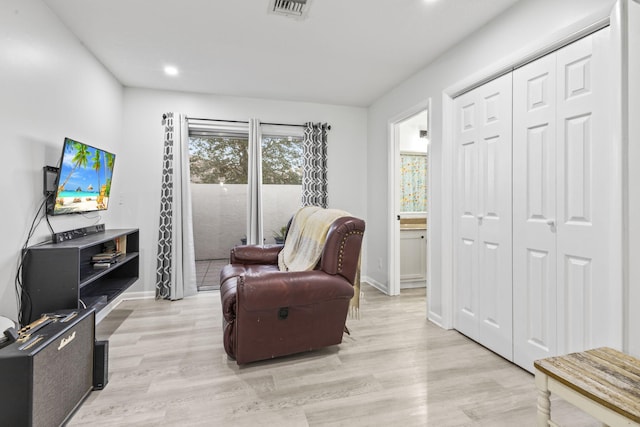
(217, 120)
(282, 124)
(240, 121)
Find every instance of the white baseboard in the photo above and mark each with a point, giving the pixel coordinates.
(413, 284)
(436, 319)
(379, 286)
(136, 295)
(123, 297)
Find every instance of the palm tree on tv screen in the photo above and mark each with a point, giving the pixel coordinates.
(96, 166)
(80, 158)
(109, 159)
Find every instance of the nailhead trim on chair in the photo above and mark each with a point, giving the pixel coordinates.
(342, 243)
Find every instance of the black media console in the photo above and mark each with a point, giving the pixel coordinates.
(58, 276)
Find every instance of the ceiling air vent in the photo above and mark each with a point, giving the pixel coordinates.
(292, 8)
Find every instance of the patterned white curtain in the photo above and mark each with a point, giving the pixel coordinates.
(254, 191)
(314, 172)
(175, 272)
(413, 169)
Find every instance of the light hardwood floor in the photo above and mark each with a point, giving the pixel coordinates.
(168, 367)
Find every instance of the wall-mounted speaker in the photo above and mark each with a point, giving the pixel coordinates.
(48, 371)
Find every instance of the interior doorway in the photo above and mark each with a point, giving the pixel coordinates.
(409, 139)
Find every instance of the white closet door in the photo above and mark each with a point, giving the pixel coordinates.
(466, 210)
(565, 215)
(534, 211)
(483, 289)
(586, 175)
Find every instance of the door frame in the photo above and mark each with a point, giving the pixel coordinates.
(394, 202)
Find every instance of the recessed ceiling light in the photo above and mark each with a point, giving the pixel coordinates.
(170, 70)
(430, 1)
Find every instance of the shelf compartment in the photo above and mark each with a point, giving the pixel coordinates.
(58, 276)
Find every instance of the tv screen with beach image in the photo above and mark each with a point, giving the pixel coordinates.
(84, 179)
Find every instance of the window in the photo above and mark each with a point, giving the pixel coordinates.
(218, 160)
(219, 172)
(281, 182)
(282, 160)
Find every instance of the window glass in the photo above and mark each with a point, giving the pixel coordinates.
(215, 160)
(281, 182)
(218, 167)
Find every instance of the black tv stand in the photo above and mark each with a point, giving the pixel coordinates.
(58, 276)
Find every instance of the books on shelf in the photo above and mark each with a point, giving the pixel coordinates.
(101, 265)
(108, 256)
(121, 244)
(105, 259)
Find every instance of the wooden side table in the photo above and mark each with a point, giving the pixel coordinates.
(603, 382)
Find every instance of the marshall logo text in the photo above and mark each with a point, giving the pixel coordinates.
(66, 340)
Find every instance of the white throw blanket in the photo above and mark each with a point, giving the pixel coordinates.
(306, 237)
(305, 242)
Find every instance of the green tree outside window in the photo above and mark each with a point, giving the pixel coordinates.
(215, 160)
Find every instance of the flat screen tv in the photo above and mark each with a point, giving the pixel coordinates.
(83, 183)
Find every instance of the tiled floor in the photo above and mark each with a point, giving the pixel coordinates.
(208, 273)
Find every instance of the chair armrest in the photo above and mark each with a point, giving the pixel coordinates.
(228, 299)
(255, 254)
(287, 289)
(341, 251)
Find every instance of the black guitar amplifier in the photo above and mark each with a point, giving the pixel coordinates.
(48, 371)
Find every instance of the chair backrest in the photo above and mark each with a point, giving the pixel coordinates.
(341, 252)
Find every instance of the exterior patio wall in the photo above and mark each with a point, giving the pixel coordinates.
(220, 218)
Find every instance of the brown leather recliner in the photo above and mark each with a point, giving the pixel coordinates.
(269, 313)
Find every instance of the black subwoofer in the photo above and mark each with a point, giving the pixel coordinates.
(101, 365)
(49, 371)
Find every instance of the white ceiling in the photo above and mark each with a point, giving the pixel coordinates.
(347, 52)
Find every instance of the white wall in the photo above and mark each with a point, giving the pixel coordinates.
(409, 133)
(527, 22)
(50, 87)
(143, 136)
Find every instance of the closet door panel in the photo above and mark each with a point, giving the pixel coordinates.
(539, 331)
(494, 225)
(483, 215)
(466, 211)
(467, 288)
(577, 331)
(534, 211)
(577, 173)
(586, 296)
